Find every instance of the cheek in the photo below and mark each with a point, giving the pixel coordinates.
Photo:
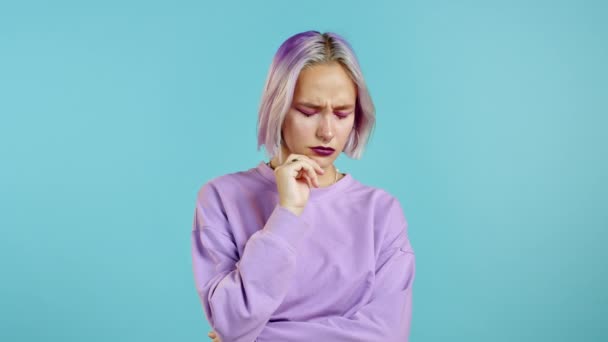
(294, 128)
(348, 127)
(301, 124)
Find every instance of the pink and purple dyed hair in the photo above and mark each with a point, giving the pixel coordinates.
(300, 51)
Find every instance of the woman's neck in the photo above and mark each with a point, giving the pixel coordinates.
(325, 180)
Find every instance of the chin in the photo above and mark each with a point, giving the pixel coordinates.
(323, 161)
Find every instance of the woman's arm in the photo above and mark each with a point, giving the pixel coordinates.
(386, 316)
(240, 294)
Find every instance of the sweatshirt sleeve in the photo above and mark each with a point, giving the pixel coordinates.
(239, 294)
(385, 317)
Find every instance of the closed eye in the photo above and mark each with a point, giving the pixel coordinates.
(342, 115)
(307, 114)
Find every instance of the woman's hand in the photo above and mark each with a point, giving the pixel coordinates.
(294, 180)
(213, 336)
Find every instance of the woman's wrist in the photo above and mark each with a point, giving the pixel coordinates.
(295, 211)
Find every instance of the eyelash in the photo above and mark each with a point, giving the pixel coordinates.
(342, 117)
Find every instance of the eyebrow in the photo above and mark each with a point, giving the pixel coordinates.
(314, 106)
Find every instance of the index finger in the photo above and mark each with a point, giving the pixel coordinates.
(314, 163)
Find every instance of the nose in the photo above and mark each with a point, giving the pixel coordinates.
(325, 129)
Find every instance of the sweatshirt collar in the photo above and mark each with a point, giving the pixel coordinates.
(315, 193)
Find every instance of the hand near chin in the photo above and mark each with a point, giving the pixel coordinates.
(294, 179)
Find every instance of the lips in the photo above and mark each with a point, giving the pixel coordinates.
(323, 152)
(322, 148)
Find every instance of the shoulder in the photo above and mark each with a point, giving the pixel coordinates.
(218, 198)
(389, 221)
(386, 209)
(230, 186)
(379, 199)
(389, 207)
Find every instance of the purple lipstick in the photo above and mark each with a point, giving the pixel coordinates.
(323, 151)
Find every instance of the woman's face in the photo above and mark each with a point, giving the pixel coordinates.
(322, 112)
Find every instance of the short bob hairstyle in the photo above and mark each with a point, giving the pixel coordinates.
(303, 50)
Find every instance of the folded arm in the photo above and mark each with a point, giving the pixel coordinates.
(387, 314)
(240, 294)
(386, 317)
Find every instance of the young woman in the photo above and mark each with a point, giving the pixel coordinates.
(292, 249)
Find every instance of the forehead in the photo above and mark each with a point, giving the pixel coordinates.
(323, 82)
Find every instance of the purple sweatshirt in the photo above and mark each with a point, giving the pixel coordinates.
(341, 271)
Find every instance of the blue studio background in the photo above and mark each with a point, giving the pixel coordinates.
(491, 130)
